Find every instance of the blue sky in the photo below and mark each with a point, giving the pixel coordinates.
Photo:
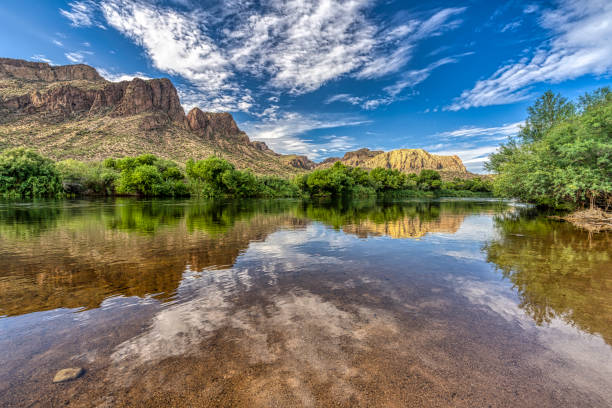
(321, 77)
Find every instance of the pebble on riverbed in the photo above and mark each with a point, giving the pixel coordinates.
(68, 374)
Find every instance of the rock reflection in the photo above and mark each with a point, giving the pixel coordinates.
(557, 270)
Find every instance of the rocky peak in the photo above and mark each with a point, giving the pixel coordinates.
(212, 125)
(299, 162)
(40, 71)
(415, 160)
(140, 96)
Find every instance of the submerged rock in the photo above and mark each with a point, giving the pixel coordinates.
(68, 374)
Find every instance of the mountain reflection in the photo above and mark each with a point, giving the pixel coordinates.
(558, 271)
(76, 254)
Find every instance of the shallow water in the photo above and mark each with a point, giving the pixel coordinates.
(280, 303)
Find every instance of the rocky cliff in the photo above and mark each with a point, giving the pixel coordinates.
(358, 158)
(39, 71)
(405, 160)
(415, 160)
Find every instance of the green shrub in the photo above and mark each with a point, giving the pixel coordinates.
(91, 178)
(25, 173)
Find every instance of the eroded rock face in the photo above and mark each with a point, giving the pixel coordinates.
(39, 71)
(357, 158)
(415, 160)
(212, 126)
(144, 96)
(261, 146)
(300, 162)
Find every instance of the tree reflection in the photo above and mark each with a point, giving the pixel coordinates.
(558, 271)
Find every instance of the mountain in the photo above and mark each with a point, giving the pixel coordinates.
(72, 112)
(404, 160)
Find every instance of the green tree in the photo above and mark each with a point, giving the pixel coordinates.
(570, 162)
(548, 110)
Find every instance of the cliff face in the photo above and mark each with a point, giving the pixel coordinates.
(211, 126)
(300, 162)
(38, 71)
(404, 160)
(415, 160)
(357, 158)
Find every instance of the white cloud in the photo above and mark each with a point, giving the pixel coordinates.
(392, 93)
(490, 133)
(75, 57)
(473, 144)
(294, 46)
(348, 98)
(396, 45)
(82, 14)
(58, 43)
(511, 26)
(118, 77)
(284, 134)
(581, 44)
(177, 43)
(41, 58)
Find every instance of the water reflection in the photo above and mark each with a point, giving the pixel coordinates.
(74, 255)
(286, 303)
(558, 271)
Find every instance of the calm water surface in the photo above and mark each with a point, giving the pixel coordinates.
(282, 304)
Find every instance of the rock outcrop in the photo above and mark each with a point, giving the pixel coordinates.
(415, 160)
(40, 71)
(357, 158)
(405, 160)
(119, 99)
(300, 162)
(215, 126)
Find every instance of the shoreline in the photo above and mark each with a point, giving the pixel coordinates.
(592, 220)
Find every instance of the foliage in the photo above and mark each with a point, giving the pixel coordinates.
(91, 178)
(342, 180)
(429, 180)
(566, 157)
(149, 176)
(214, 177)
(25, 173)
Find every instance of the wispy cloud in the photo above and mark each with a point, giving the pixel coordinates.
(58, 43)
(395, 91)
(285, 133)
(581, 44)
(294, 46)
(348, 98)
(75, 57)
(473, 144)
(489, 133)
(394, 49)
(41, 58)
(82, 14)
(118, 77)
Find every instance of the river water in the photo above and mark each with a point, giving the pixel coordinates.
(464, 303)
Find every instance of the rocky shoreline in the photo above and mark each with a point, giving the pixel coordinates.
(592, 220)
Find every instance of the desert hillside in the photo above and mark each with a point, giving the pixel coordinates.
(72, 112)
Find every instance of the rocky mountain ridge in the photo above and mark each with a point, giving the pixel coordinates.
(72, 112)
